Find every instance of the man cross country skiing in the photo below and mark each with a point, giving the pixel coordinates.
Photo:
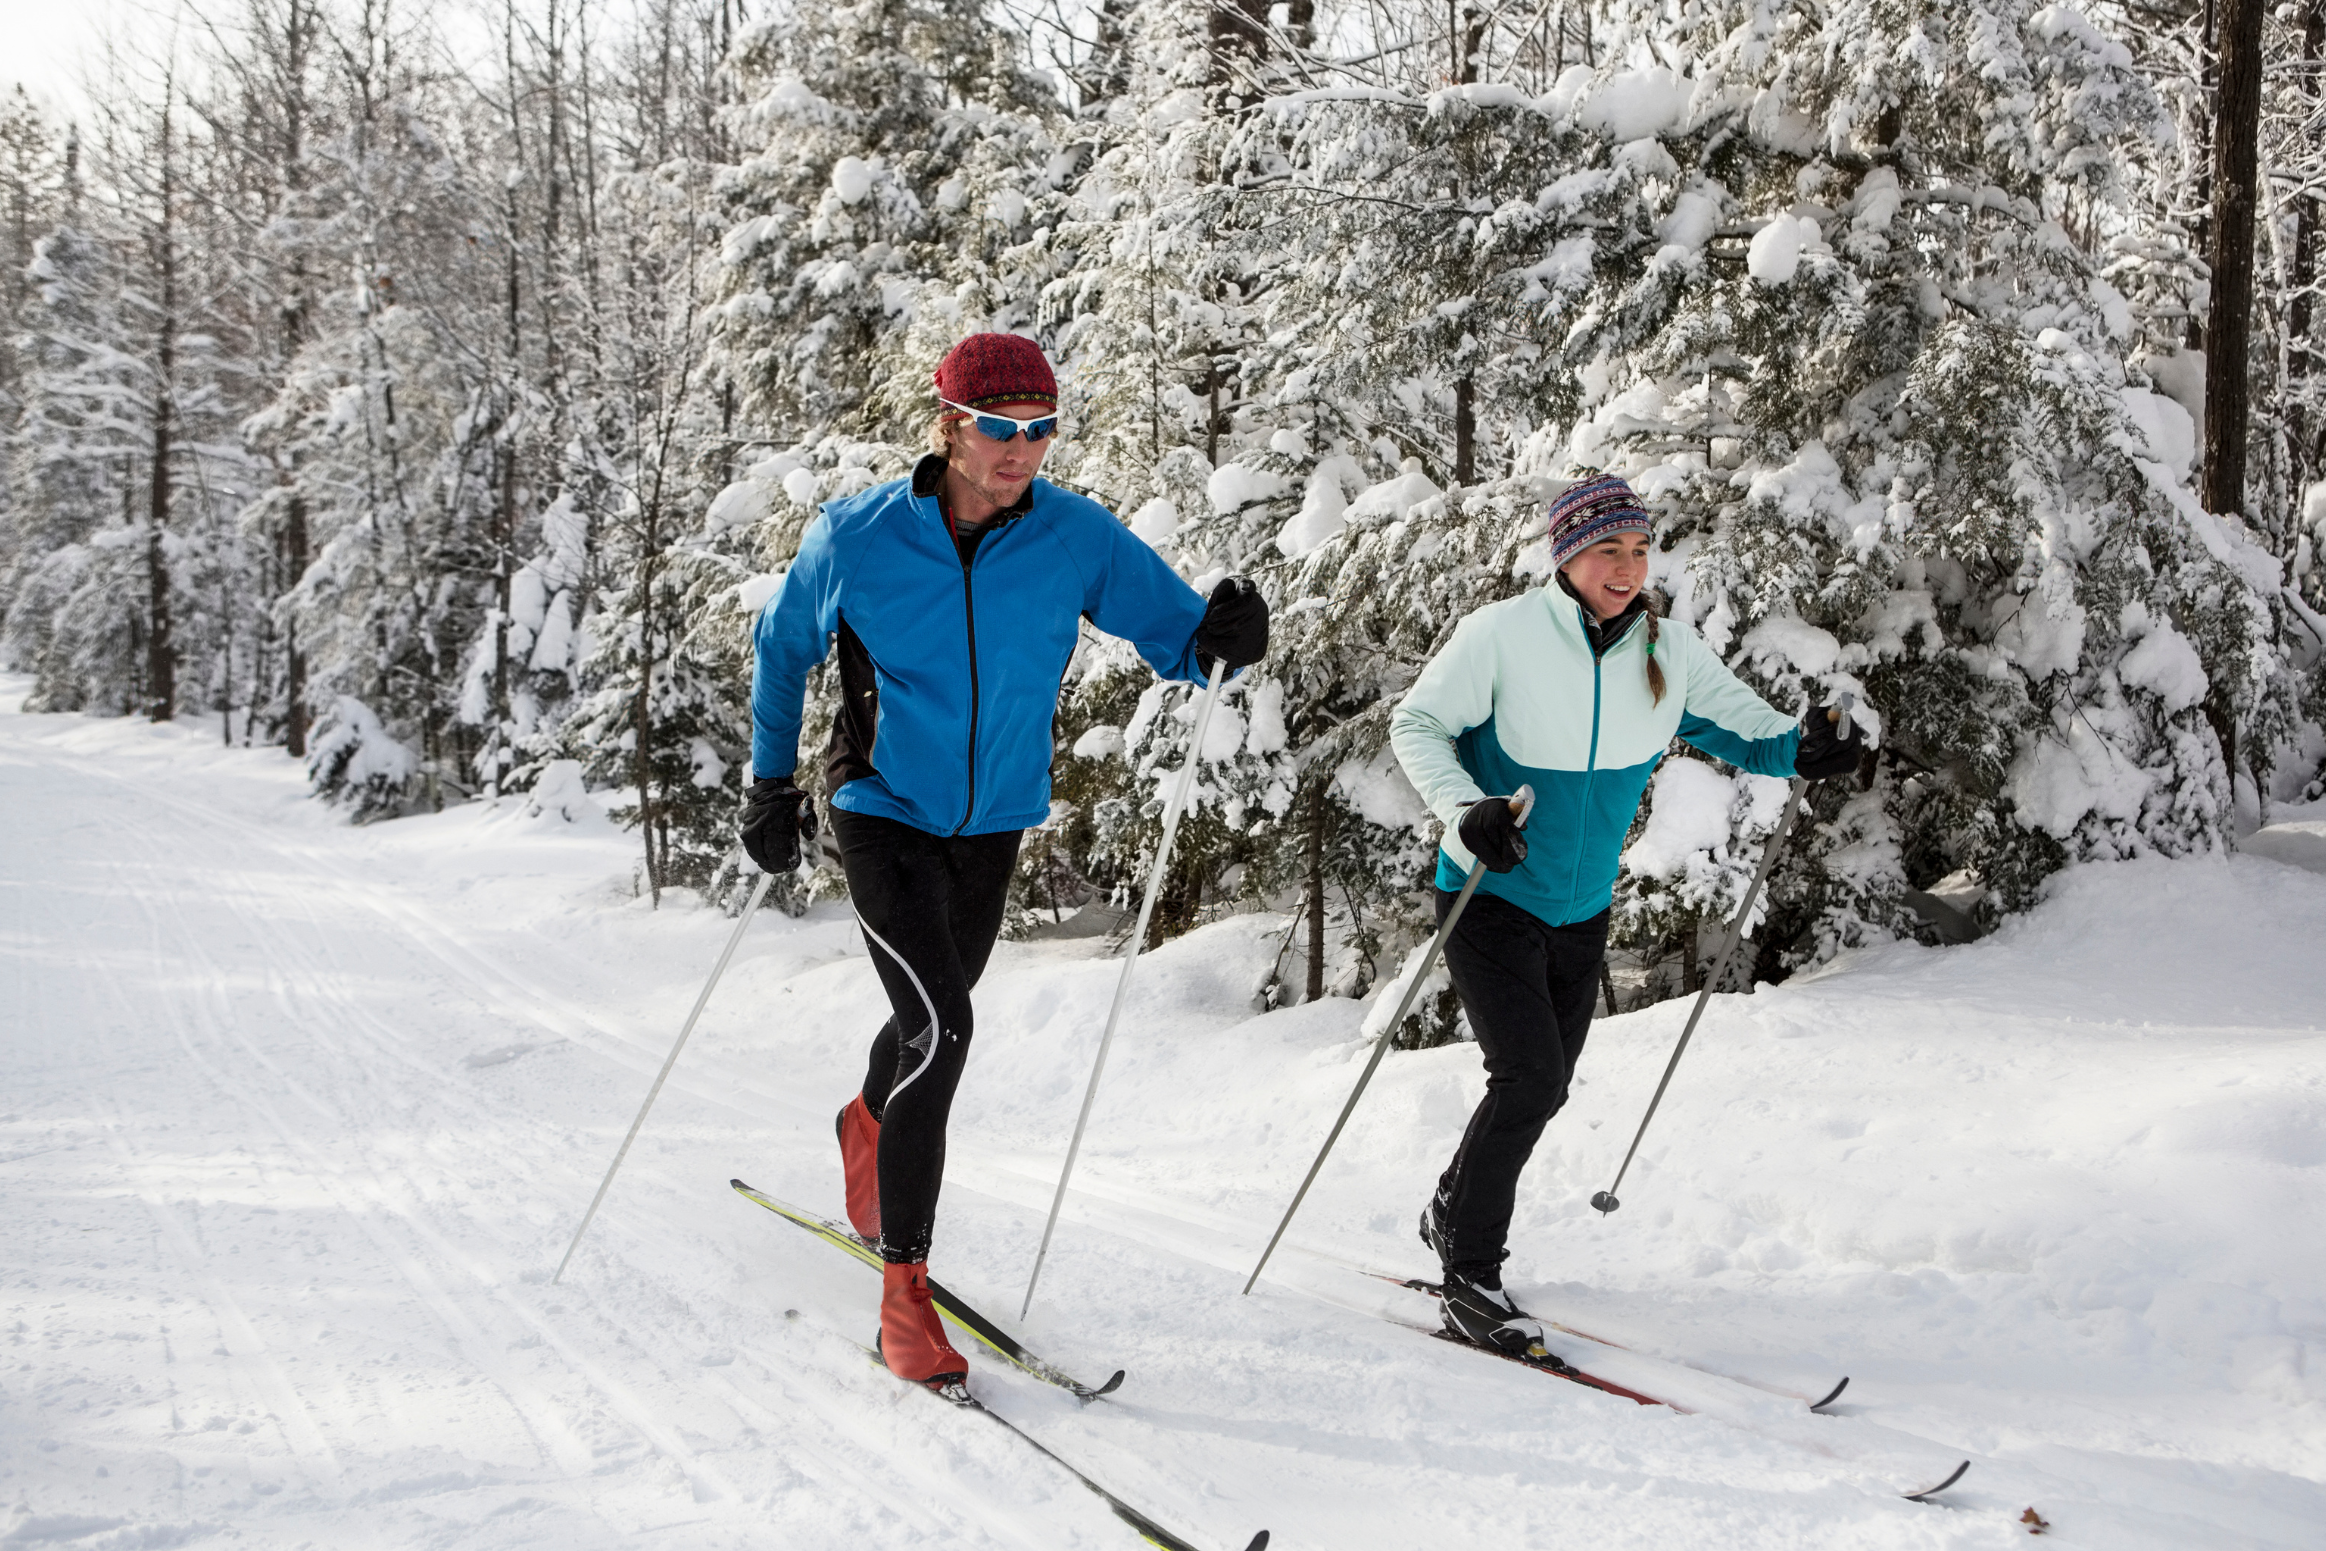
(1575, 690)
(956, 597)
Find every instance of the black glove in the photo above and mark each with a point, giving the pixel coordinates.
(1830, 745)
(777, 816)
(1490, 830)
(1234, 628)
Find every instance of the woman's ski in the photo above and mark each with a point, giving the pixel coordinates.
(1543, 1360)
(985, 1331)
(1416, 1284)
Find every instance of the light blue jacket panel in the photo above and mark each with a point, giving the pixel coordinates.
(968, 660)
(1517, 698)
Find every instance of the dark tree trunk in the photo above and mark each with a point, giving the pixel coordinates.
(2301, 348)
(298, 42)
(1465, 433)
(1211, 422)
(1316, 889)
(2201, 220)
(504, 548)
(2229, 325)
(161, 647)
(294, 656)
(1238, 32)
(1300, 23)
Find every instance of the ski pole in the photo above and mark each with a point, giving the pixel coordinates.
(1605, 1201)
(1211, 695)
(1523, 802)
(758, 892)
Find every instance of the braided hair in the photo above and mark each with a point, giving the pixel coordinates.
(1655, 669)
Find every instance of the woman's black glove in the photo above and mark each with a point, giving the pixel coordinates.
(1234, 628)
(777, 816)
(1830, 745)
(1489, 829)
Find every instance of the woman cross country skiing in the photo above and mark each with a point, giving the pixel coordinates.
(1576, 691)
(955, 597)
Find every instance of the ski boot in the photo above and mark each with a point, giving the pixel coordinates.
(1486, 1316)
(860, 1165)
(912, 1338)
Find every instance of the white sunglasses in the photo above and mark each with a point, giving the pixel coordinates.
(1002, 428)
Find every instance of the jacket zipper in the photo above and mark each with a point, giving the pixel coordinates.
(969, 612)
(1590, 769)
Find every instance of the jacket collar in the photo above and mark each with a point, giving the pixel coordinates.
(929, 479)
(1603, 636)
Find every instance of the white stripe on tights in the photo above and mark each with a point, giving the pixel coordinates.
(935, 1033)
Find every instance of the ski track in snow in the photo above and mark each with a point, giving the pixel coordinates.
(299, 1117)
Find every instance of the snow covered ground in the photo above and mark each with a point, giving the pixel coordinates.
(298, 1118)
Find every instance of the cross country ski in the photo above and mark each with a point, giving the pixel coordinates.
(956, 1391)
(988, 1334)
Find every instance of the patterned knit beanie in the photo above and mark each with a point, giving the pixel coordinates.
(1588, 511)
(987, 369)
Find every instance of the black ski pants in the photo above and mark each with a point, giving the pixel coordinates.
(1529, 988)
(931, 907)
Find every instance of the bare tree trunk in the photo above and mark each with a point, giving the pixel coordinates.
(2229, 328)
(1316, 889)
(1467, 22)
(1465, 433)
(1211, 421)
(161, 647)
(294, 656)
(2301, 349)
(2201, 226)
(297, 47)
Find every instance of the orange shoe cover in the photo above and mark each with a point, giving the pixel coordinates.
(860, 1165)
(912, 1338)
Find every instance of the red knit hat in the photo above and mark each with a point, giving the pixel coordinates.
(996, 369)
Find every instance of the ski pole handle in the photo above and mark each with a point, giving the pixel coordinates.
(1521, 805)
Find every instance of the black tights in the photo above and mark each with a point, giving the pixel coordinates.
(1529, 988)
(931, 907)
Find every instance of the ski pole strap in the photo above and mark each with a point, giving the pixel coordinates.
(1179, 790)
(1736, 930)
(734, 938)
(1521, 805)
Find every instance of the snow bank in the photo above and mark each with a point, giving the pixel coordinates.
(561, 794)
(2296, 842)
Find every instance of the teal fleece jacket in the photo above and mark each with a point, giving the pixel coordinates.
(1517, 699)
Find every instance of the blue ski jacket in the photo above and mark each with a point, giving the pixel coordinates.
(1519, 697)
(950, 667)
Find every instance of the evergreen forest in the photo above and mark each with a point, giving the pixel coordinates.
(432, 391)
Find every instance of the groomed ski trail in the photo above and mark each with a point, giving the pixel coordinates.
(372, 1075)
